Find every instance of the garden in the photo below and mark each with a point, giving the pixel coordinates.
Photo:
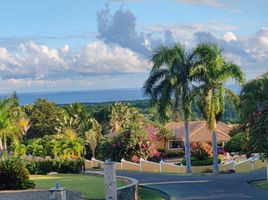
(41, 138)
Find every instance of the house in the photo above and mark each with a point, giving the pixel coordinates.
(199, 132)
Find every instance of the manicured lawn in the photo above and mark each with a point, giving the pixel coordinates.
(262, 185)
(90, 186)
(148, 194)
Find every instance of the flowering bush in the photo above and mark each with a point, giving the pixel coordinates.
(201, 150)
(131, 144)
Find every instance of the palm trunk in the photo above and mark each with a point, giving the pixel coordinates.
(215, 153)
(1, 144)
(187, 147)
(165, 143)
(5, 142)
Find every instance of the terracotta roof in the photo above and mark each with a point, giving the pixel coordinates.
(199, 131)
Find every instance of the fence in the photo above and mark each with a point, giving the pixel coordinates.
(146, 166)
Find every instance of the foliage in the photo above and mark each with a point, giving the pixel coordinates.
(237, 143)
(201, 162)
(14, 175)
(254, 113)
(46, 119)
(123, 116)
(132, 144)
(201, 150)
(60, 166)
(175, 154)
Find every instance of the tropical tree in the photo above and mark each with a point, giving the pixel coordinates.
(254, 114)
(123, 116)
(72, 145)
(212, 72)
(169, 85)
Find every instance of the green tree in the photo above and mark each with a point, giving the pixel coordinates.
(123, 116)
(46, 118)
(169, 84)
(212, 72)
(254, 113)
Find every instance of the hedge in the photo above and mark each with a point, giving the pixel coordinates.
(60, 166)
(197, 162)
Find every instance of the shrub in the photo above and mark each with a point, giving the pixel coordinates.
(236, 143)
(197, 162)
(61, 166)
(175, 154)
(14, 175)
(201, 150)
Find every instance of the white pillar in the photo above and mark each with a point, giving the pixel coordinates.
(252, 163)
(57, 193)
(110, 181)
(161, 163)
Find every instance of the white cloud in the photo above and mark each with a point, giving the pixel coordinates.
(212, 3)
(39, 62)
(229, 36)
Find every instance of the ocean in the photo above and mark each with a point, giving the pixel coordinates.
(88, 96)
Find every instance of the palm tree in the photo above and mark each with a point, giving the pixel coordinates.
(169, 84)
(211, 73)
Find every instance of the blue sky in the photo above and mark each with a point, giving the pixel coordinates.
(96, 44)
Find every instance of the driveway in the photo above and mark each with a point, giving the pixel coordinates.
(200, 187)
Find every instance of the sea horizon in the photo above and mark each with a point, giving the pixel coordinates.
(80, 96)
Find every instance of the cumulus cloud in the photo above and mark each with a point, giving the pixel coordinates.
(229, 36)
(39, 62)
(121, 29)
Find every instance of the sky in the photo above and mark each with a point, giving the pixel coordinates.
(106, 44)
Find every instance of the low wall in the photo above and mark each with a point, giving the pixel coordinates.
(126, 165)
(147, 166)
(35, 194)
(202, 169)
(127, 192)
(171, 168)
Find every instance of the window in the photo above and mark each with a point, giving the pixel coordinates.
(175, 144)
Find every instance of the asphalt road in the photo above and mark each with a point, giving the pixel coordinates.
(201, 187)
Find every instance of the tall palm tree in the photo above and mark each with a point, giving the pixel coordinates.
(211, 73)
(169, 84)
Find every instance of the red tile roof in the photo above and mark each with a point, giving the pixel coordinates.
(199, 131)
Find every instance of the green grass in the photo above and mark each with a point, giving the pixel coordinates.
(262, 185)
(149, 194)
(90, 186)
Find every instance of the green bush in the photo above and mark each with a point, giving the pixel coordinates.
(197, 162)
(61, 166)
(14, 175)
(236, 143)
(175, 154)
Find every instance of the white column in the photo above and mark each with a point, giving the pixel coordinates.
(110, 181)
(57, 193)
(161, 163)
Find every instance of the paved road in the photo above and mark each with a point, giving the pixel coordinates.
(201, 187)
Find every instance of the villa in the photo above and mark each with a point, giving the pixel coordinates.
(199, 132)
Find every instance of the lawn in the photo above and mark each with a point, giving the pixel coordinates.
(91, 186)
(262, 185)
(148, 194)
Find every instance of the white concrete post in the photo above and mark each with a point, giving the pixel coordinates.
(110, 181)
(252, 163)
(57, 193)
(233, 165)
(161, 168)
